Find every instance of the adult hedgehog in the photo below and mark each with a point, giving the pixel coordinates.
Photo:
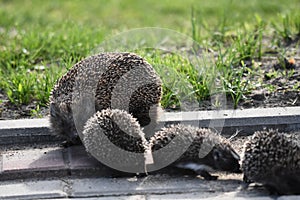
(122, 81)
(273, 159)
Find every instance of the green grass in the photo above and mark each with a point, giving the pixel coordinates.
(182, 81)
(39, 41)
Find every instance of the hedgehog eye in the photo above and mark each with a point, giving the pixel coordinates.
(216, 155)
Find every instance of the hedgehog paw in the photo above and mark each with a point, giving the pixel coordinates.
(206, 175)
(199, 169)
(246, 180)
(72, 142)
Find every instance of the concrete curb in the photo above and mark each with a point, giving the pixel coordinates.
(227, 122)
(26, 131)
(245, 121)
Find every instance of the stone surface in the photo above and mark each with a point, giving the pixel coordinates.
(79, 159)
(246, 121)
(81, 164)
(134, 197)
(25, 131)
(158, 184)
(47, 162)
(32, 163)
(143, 188)
(32, 189)
(290, 197)
(24, 123)
(48, 158)
(208, 196)
(147, 188)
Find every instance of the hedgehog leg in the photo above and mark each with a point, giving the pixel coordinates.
(246, 180)
(284, 181)
(71, 142)
(200, 169)
(206, 175)
(272, 189)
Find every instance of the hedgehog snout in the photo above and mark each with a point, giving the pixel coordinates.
(226, 160)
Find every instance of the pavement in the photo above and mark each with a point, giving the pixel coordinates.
(33, 165)
(54, 172)
(150, 187)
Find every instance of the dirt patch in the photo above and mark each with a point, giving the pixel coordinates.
(10, 111)
(280, 86)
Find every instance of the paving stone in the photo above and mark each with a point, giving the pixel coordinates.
(33, 159)
(289, 197)
(134, 197)
(81, 164)
(209, 196)
(51, 161)
(32, 189)
(158, 184)
(80, 159)
(32, 163)
(185, 196)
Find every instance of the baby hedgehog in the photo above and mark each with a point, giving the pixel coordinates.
(197, 149)
(108, 80)
(116, 139)
(273, 159)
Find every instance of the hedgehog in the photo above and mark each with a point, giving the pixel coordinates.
(272, 159)
(115, 138)
(122, 81)
(198, 149)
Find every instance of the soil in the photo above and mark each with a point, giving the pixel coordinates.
(276, 85)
